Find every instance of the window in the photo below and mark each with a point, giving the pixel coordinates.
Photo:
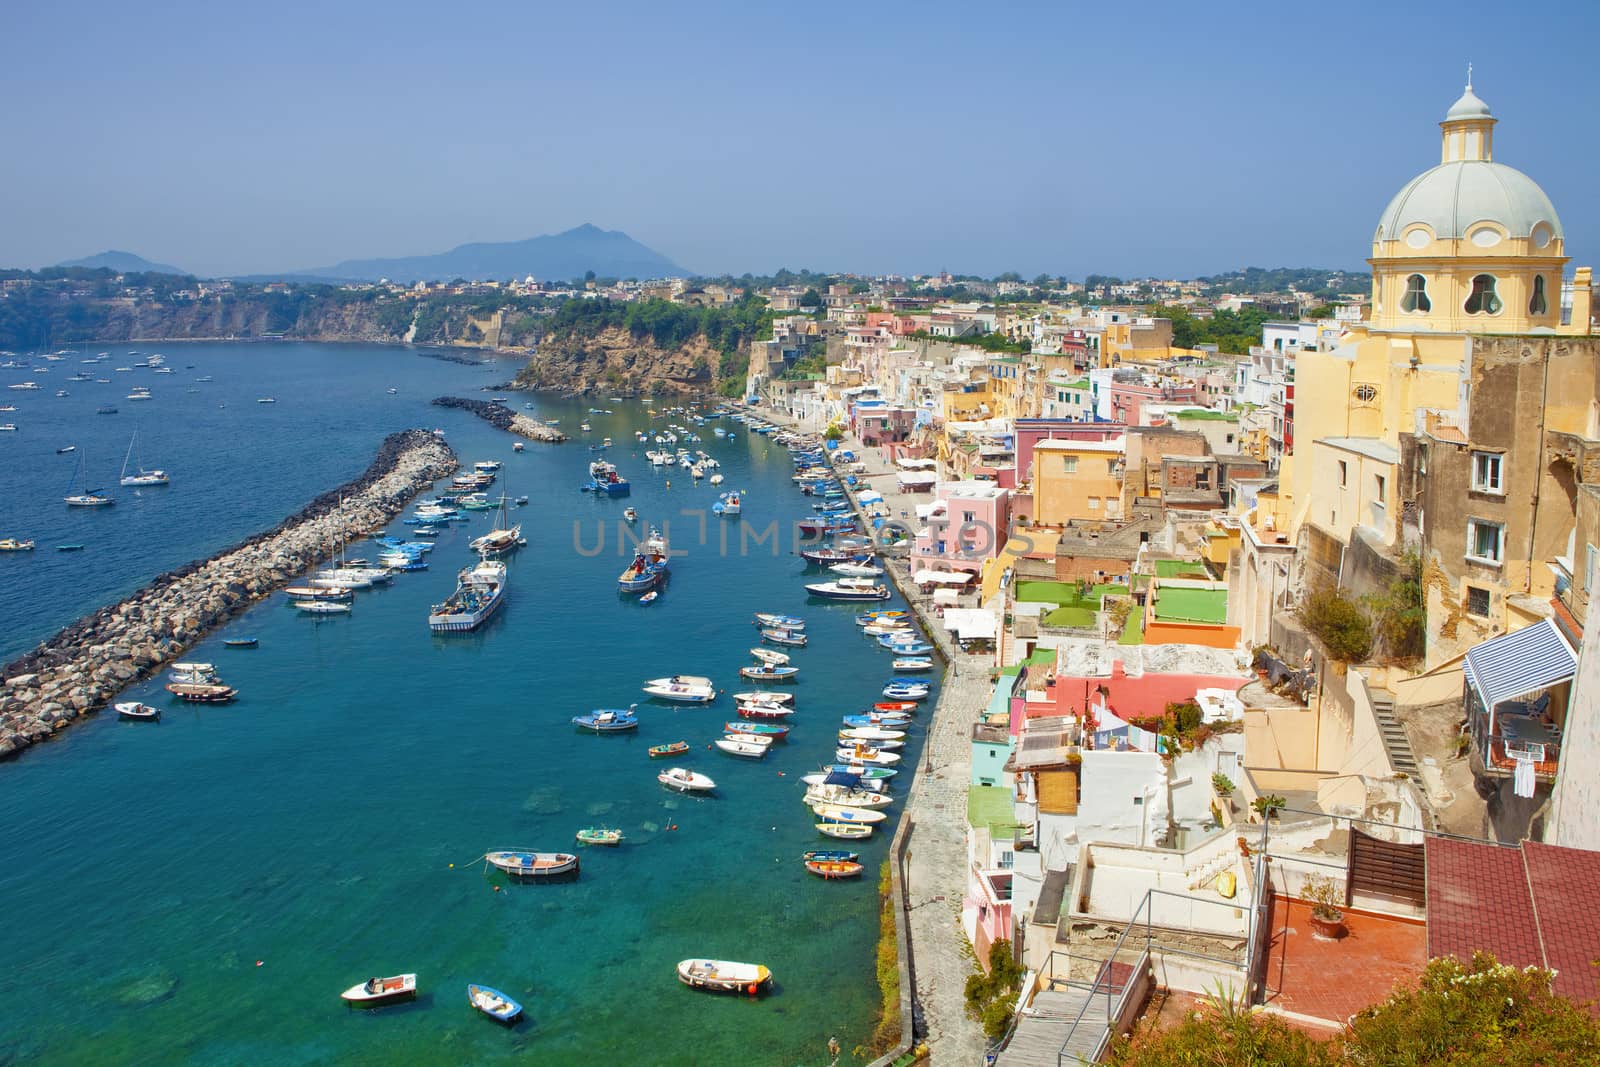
(1380, 483)
(1416, 296)
(1477, 601)
(1344, 474)
(1537, 304)
(1486, 472)
(1485, 541)
(1069, 464)
(1482, 300)
(1111, 467)
(1094, 503)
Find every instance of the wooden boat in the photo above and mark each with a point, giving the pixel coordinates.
(844, 831)
(493, 1003)
(757, 696)
(685, 781)
(527, 864)
(860, 753)
(780, 622)
(608, 720)
(673, 748)
(913, 663)
(835, 855)
(793, 638)
(888, 720)
(595, 835)
(202, 692)
(760, 729)
(834, 868)
(241, 642)
(138, 712)
(881, 734)
(769, 674)
(723, 976)
(857, 816)
(868, 617)
(770, 657)
(748, 747)
(764, 712)
(905, 691)
(892, 706)
(375, 991)
(842, 796)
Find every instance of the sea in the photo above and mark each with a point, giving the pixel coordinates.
(201, 890)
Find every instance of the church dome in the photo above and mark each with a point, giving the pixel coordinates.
(1468, 107)
(1453, 197)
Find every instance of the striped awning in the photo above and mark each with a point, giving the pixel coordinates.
(1522, 662)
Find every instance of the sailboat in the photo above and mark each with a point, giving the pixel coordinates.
(503, 538)
(144, 477)
(87, 498)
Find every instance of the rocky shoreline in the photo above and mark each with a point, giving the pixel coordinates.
(86, 664)
(505, 418)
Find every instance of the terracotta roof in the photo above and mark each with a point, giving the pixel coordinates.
(1566, 894)
(1446, 432)
(1478, 899)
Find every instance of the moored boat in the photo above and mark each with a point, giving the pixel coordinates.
(764, 712)
(844, 831)
(375, 991)
(672, 748)
(202, 692)
(849, 589)
(12, 544)
(491, 1002)
(762, 729)
(682, 689)
(894, 706)
(849, 816)
(598, 835)
(650, 567)
(834, 868)
(757, 696)
(862, 753)
(767, 673)
(686, 781)
(912, 663)
(521, 863)
(834, 855)
(241, 642)
(904, 691)
(792, 638)
(608, 720)
(724, 976)
(138, 712)
(748, 747)
(480, 590)
(779, 622)
(770, 656)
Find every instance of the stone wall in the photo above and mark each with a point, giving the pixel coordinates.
(86, 664)
(505, 418)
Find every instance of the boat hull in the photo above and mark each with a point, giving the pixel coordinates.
(533, 865)
(721, 976)
(493, 1004)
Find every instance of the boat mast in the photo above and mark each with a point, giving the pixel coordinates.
(129, 456)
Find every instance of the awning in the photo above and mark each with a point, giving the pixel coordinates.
(946, 596)
(918, 478)
(971, 624)
(941, 577)
(871, 496)
(1522, 662)
(925, 511)
(916, 464)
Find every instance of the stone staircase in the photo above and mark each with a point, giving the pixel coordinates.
(1394, 735)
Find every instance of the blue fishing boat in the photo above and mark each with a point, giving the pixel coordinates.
(862, 771)
(649, 567)
(780, 622)
(832, 855)
(903, 690)
(493, 1003)
(608, 720)
(893, 722)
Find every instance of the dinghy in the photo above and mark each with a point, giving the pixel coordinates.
(844, 831)
(780, 622)
(793, 638)
(493, 1003)
(595, 835)
(834, 868)
(138, 712)
(758, 729)
(894, 706)
(608, 720)
(759, 697)
(872, 733)
(375, 991)
(849, 816)
(860, 753)
(682, 689)
(831, 855)
(202, 692)
(724, 976)
(770, 657)
(764, 712)
(769, 674)
(913, 663)
(527, 864)
(673, 748)
(748, 747)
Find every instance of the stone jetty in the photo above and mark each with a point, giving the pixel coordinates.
(84, 666)
(505, 418)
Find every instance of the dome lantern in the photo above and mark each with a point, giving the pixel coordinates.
(1468, 128)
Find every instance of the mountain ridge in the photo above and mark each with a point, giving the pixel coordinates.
(123, 263)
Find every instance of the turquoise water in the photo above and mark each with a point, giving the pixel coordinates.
(312, 825)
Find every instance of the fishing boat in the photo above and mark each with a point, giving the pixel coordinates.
(825, 527)
(748, 747)
(727, 504)
(757, 696)
(780, 622)
(852, 816)
(480, 590)
(491, 1002)
(764, 712)
(903, 691)
(828, 555)
(895, 706)
(881, 736)
(12, 544)
(863, 753)
(673, 748)
(912, 663)
(795, 638)
(770, 674)
(136, 712)
(758, 729)
(770, 656)
(913, 647)
(834, 868)
(321, 607)
(685, 781)
(202, 692)
(503, 538)
(682, 688)
(141, 476)
(831, 855)
(630, 514)
(595, 835)
(85, 497)
(844, 831)
(375, 991)
(876, 785)
(650, 566)
(724, 976)
(887, 721)
(525, 863)
(866, 618)
(849, 589)
(241, 642)
(608, 720)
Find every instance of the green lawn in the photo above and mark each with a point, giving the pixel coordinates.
(1080, 618)
(1180, 568)
(1192, 605)
(1073, 610)
(1133, 630)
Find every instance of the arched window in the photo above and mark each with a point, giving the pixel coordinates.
(1416, 298)
(1482, 300)
(1537, 304)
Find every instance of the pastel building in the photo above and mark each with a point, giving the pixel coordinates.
(967, 523)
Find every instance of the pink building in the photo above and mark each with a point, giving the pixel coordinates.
(967, 523)
(1129, 398)
(1031, 431)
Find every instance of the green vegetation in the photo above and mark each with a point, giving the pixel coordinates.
(1224, 1034)
(1174, 604)
(1339, 623)
(990, 996)
(989, 342)
(1232, 332)
(668, 325)
(886, 1034)
(1325, 284)
(1222, 784)
(1400, 611)
(1076, 604)
(1132, 629)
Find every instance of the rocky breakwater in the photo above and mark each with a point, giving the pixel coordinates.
(81, 668)
(505, 418)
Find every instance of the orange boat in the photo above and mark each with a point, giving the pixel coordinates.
(834, 868)
(676, 748)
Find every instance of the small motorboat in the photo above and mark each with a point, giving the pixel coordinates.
(844, 831)
(517, 446)
(375, 991)
(769, 656)
(674, 748)
(762, 729)
(765, 673)
(849, 816)
(630, 514)
(875, 733)
(241, 642)
(136, 712)
(834, 868)
(877, 616)
(912, 663)
(682, 689)
(892, 706)
(748, 747)
(890, 721)
(857, 570)
(203, 692)
(780, 622)
(527, 864)
(841, 796)
(759, 697)
(12, 544)
(793, 638)
(860, 753)
(723, 976)
(650, 597)
(832, 855)
(322, 607)
(876, 785)
(491, 1002)
(685, 781)
(74, 547)
(909, 648)
(595, 835)
(65, 449)
(862, 771)
(903, 691)
(608, 720)
(764, 712)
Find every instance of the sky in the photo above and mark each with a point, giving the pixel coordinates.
(1064, 138)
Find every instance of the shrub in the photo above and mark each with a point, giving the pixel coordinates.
(1222, 784)
(1224, 1036)
(1400, 611)
(1339, 623)
(1327, 903)
(990, 996)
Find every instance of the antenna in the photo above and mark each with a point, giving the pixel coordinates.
(1469, 77)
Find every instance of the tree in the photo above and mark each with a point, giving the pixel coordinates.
(1339, 623)
(811, 299)
(990, 996)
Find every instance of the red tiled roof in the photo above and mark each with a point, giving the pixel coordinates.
(1478, 899)
(1566, 895)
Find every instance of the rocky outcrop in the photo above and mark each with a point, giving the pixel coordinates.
(615, 361)
(505, 418)
(81, 668)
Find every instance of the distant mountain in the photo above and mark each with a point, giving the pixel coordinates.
(123, 262)
(609, 253)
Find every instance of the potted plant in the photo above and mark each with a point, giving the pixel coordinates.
(1327, 911)
(1222, 784)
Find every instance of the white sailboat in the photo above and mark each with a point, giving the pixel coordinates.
(86, 497)
(143, 477)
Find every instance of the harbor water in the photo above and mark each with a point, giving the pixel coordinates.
(200, 890)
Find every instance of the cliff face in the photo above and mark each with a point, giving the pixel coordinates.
(615, 360)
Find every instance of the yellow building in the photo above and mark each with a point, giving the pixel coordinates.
(1077, 481)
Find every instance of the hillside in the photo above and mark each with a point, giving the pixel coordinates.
(123, 263)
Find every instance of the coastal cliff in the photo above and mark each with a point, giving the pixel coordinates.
(83, 666)
(617, 361)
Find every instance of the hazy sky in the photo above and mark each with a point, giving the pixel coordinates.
(1064, 137)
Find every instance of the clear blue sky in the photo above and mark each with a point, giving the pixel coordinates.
(1063, 137)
